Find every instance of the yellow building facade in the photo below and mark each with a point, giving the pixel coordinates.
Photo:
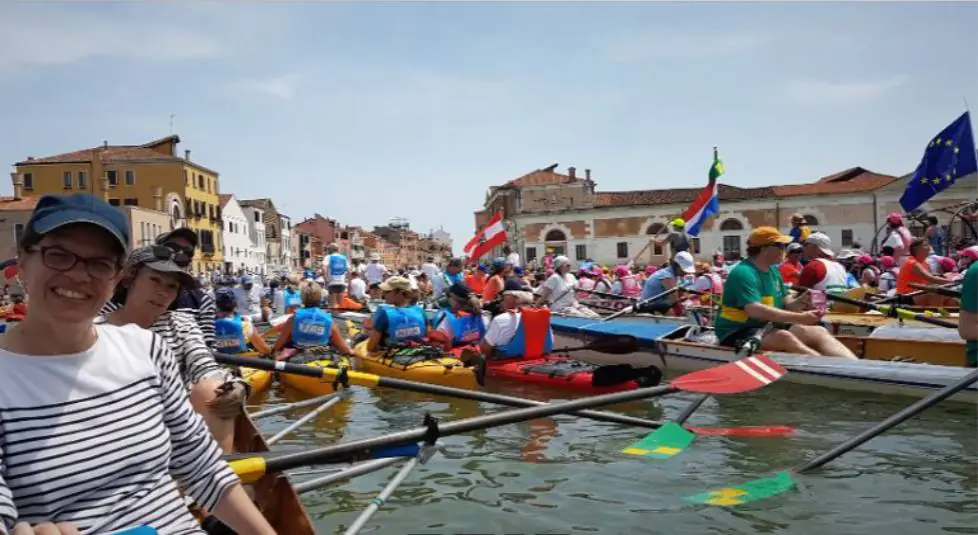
(151, 175)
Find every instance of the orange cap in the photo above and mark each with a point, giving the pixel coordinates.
(762, 236)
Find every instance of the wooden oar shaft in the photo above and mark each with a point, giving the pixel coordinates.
(414, 386)
(605, 294)
(638, 304)
(940, 290)
(892, 421)
(890, 310)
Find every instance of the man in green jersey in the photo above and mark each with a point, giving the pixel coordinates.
(754, 295)
(968, 318)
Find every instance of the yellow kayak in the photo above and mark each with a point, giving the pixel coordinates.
(258, 380)
(311, 385)
(413, 365)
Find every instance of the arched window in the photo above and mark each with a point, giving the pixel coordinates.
(555, 235)
(654, 228)
(731, 224)
(811, 220)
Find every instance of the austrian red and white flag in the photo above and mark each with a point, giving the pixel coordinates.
(493, 235)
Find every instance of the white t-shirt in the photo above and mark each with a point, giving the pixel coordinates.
(502, 328)
(514, 259)
(561, 289)
(358, 288)
(430, 270)
(374, 272)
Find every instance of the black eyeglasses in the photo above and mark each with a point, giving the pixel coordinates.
(180, 256)
(60, 259)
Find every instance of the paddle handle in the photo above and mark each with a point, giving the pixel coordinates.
(889, 423)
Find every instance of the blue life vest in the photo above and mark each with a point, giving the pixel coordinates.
(229, 335)
(468, 329)
(337, 265)
(292, 298)
(454, 278)
(534, 342)
(311, 327)
(405, 324)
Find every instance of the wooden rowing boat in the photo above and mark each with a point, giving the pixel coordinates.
(675, 348)
(273, 493)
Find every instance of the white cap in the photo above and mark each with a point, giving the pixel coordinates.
(685, 262)
(822, 241)
(560, 261)
(375, 256)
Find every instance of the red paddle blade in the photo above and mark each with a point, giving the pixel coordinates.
(751, 431)
(735, 377)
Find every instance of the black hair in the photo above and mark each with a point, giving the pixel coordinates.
(753, 251)
(887, 250)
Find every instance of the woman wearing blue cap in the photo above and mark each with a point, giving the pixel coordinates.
(98, 432)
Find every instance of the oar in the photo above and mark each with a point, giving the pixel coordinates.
(386, 493)
(784, 481)
(889, 298)
(635, 307)
(939, 290)
(606, 294)
(486, 397)
(672, 438)
(891, 311)
(730, 378)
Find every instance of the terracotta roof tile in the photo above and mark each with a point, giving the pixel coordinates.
(223, 199)
(116, 154)
(541, 177)
(855, 180)
(10, 204)
(676, 196)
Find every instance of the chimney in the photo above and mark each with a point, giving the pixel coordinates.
(572, 171)
(186, 155)
(158, 198)
(18, 183)
(105, 144)
(105, 187)
(587, 174)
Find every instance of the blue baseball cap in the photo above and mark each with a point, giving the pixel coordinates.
(224, 297)
(55, 211)
(247, 279)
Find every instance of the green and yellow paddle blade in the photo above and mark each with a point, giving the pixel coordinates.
(663, 443)
(750, 491)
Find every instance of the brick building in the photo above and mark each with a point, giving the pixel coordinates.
(564, 212)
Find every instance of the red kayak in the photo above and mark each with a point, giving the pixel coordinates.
(563, 372)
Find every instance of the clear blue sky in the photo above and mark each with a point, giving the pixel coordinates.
(364, 112)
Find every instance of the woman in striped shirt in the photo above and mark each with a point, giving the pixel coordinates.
(153, 278)
(96, 431)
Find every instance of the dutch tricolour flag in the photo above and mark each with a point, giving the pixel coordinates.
(706, 204)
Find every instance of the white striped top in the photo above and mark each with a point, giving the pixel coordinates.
(99, 439)
(182, 334)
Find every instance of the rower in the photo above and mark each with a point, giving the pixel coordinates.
(915, 270)
(558, 291)
(476, 279)
(627, 283)
(754, 295)
(249, 298)
(196, 302)
(791, 267)
(399, 322)
(665, 279)
(518, 331)
(822, 272)
(311, 326)
(463, 322)
(498, 273)
(233, 333)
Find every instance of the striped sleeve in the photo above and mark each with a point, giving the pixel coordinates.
(196, 459)
(185, 338)
(205, 317)
(8, 511)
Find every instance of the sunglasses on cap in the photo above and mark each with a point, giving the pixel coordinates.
(178, 255)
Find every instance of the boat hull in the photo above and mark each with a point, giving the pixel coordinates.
(665, 347)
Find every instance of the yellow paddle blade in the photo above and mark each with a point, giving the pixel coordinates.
(250, 469)
(351, 328)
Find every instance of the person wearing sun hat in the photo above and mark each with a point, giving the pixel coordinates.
(754, 296)
(822, 272)
(677, 238)
(399, 322)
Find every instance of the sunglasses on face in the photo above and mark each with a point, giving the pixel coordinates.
(179, 255)
(60, 259)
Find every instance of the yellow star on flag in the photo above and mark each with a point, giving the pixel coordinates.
(949, 143)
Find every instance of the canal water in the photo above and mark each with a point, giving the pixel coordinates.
(568, 475)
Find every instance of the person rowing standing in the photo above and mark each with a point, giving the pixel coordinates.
(754, 295)
(98, 432)
(677, 238)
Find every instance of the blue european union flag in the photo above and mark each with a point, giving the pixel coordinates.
(949, 156)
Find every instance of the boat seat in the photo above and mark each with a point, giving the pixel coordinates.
(903, 332)
(701, 337)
